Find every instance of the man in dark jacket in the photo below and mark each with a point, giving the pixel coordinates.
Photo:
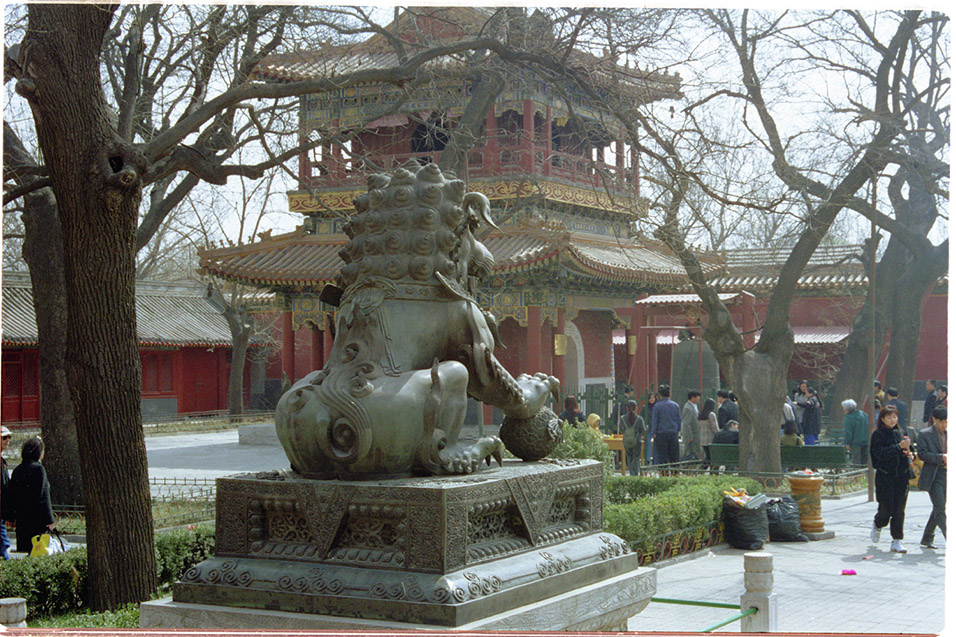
(901, 408)
(930, 401)
(727, 408)
(729, 435)
(932, 449)
(5, 436)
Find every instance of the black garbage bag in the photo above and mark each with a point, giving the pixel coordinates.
(784, 518)
(745, 528)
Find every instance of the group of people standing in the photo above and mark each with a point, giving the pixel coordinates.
(801, 417)
(663, 432)
(24, 496)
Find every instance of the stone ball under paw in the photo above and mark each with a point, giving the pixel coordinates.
(531, 438)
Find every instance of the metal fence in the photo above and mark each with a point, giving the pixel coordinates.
(175, 502)
(835, 481)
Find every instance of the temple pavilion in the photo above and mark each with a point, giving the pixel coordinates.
(564, 187)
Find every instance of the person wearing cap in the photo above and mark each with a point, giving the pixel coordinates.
(594, 422)
(729, 435)
(5, 436)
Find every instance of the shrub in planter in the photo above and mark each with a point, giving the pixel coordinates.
(640, 508)
(178, 550)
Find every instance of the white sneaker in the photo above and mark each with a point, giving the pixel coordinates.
(875, 534)
(897, 546)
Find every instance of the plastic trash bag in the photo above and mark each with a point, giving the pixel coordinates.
(783, 516)
(745, 528)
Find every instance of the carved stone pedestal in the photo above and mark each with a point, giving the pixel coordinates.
(496, 549)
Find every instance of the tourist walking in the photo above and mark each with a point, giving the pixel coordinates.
(665, 427)
(690, 433)
(878, 392)
(619, 409)
(891, 456)
(5, 436)
(931, 447)
(571, 412)
(707, 422)
(855, 432)
(652, 399)
(893, 399)
(29, 492)
(633, 428)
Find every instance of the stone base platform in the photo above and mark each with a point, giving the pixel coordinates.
(602, 607)
(456, 551)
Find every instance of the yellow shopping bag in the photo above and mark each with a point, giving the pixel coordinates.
(46, 544)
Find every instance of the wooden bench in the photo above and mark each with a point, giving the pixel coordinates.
(796, 457)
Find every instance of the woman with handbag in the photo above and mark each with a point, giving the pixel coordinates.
(891, 456)
(29, 492)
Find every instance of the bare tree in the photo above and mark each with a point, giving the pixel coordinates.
(823, 187)
(916, 191)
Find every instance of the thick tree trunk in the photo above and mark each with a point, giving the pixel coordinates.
(760, 383)
(237, 367)
(907, 318)
(96, 180)
(854, 379)
(43, 252)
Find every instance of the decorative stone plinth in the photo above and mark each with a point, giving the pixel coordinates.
(451, 552)
(805, 489)
(601, 607)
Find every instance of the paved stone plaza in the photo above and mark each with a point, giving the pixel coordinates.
(890, 593)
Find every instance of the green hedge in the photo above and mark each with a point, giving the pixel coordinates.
(56, 584)
(640, 508)
(51, 584)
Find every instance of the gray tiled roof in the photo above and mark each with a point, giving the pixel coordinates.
(757, 269)
(167, 315)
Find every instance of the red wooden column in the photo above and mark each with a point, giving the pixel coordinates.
(527, 140)
(531, 362)
(557, 360)
(317, 358)
(305, 167)
(547, 142)
(288, 346)
(636, 347)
